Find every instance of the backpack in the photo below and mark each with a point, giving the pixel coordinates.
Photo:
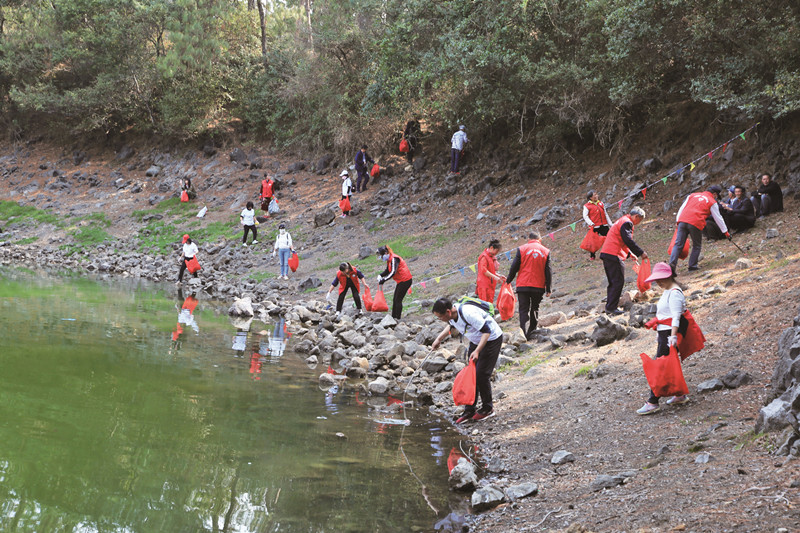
(487, 307)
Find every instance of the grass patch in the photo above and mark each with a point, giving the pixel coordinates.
(261, 276)
(27, 240)
(13, 211)
(758, 439)
(401, 246)
(536, 360)
(378, 226)
(780, 263)
(91, 236)
(97, 218)
(585, 370)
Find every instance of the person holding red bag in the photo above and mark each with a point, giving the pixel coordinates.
(596, 217)
(348, 277)
(671, 305)
(485, 341)
(487, 272)
(397, 269)
(347, 192)
(619, 244)
(188, 253)
(532, 262)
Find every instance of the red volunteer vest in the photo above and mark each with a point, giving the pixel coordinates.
(597, 213)
(613, 244)
(697, 208)
(403, 273)
(487, 262)
(266, 188)
(533, 257)
(343, 280)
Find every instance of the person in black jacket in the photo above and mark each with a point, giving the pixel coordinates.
(739, 214)
(769, 198)
(411, 134)
(361, 160)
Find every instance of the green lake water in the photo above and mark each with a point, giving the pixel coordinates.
(122, 412)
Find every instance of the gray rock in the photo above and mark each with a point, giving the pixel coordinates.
(551, 319)
(703, 458)
(771, 233)
(311, 282)
(419, 163)
(324, 217)
(710, 385)
(365, 251)
(743, 263)
(296, 167)
(607, 331)
(523, 490)
(538, 216)
(326, 380)
(605, 481)
(353, 338)
(561, 457)
(434, 364)
(652, 164)
(388, 322)
(736, 378)
(775, 416)
(323, 162)
(463, 476)
(153, 171)
(487, 498)
(241, 307)
(237, 155)
(379, 386)
(496, 465)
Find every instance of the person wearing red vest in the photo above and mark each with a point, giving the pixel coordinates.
(397, 269)
(348, 277)
(692, 219)
(487, 272)
(596, 217)
(532, 262)
(618, 246)
(266, 192)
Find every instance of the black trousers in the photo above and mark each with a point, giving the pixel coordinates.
(400, 292)
(183, 269)
(250, 228)
(350, 285)
(484, 367)
(615, 273)
(529, 309)
(362, 175)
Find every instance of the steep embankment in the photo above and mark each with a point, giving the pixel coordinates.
(561, 394)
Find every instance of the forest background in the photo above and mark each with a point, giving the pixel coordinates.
(329, 75)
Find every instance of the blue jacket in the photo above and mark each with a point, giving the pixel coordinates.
(361, 160)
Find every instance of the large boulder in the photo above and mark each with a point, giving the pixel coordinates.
(607, 331)
(434, 364)
(241, 307)
(237, 155)
(324, 217)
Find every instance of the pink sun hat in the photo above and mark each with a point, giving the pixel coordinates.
(660, 271)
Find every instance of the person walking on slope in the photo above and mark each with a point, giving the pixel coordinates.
(485, 340)
(532, 262)
(457, 144)
(692, 219)
(347, 277)
(397, 269)
(189, 250)
(670, 306)
(285, 248)
(618, 246)
(266, 192)
(248, 219)
(487, 272)
(361, 160)
(596, 217)
(347, 190)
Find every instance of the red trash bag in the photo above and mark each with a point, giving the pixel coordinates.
(464, 385)
(452, 459)
(376, 169)
(184, 196)
(404, 146)
(379, 303)
(367, 299)
(506, 301)
(685, 252)
(192, 265)
(592, 242)
(644, 273)
(344, 205)
(294, 262)
(664, 374)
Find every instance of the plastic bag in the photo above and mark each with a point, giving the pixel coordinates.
(644, 273)
(379, 303)
(192, 265)
(367, 299)
(344, 205)
(464, 385)
(294, 262)
(593, 241)
(376, 169)
(506, 301)
(202, 212)
(273, 207)
(404, 146)
(685, 252)
(184, 196)
(664, 374)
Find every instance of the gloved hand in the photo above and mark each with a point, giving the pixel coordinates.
(379, 281)
(274, 253)
(672, 340)
(727, 235)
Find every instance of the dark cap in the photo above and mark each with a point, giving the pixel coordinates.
(716, 189)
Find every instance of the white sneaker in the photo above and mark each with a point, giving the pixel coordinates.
(648, 409)
(244, 244)
(254, 242)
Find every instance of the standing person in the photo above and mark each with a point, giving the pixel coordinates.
(347, 277)
(410, 134)
(397, 269)
(487, 272)
(618, 246)
(670, 307)
(485, 340)
(532, 262)
(596, 217)
(739, 214)
(266, 192)
(692, 219)
(347, 189)
(189, 250)
(457, 143)
(769, 197)
(361, 160)
(285, 248)
(248, 219)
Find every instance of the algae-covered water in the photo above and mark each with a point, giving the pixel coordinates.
(130, 407)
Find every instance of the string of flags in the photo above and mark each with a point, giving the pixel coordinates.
(690, 166)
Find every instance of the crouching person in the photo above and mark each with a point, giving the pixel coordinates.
(485, 340)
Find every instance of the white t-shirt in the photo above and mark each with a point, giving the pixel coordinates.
(283, 241)
(474, 319)
(189, 250)
(248, 217)
(672, 304)
(347, 186)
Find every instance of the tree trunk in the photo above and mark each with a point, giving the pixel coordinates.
(263, 19)
(310, 28)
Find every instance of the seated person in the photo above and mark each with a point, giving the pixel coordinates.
(730, 198)
(769, 197)
(186, 185)
(739, 215)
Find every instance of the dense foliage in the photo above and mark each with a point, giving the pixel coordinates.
(326, 74)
